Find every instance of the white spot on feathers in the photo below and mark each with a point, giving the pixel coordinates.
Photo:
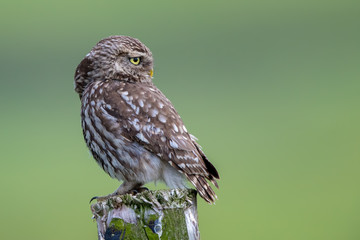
(173, 144)
(142, 138)
(162, 118)
(124, 96)
(154, 112)
(136, 124)
(128, 99)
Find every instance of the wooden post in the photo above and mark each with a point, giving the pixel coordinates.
(160, 214)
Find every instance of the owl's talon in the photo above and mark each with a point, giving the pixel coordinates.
(133, 192)
(138, 190)
(142, 189)
(93, 198)
(102, 198)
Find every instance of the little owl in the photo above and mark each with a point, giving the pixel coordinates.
(132, 130)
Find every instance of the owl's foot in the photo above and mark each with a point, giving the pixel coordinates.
(131, 192)
(138, 190)
(102, 198)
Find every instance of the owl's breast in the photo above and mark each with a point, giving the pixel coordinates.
(107, 138)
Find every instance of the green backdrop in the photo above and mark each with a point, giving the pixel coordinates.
(271, 89)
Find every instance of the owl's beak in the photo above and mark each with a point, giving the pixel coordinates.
(151, 73)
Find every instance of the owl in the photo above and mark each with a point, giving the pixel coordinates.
(132, 130)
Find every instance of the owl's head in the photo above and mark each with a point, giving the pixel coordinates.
(115, 58)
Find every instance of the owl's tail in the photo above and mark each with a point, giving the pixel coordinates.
(203, 187)
(199, 181)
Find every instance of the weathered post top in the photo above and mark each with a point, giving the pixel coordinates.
(159, 214)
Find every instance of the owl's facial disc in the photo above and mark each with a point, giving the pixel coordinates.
(116, 58)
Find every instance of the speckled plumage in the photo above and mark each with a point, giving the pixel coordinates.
(132, 130)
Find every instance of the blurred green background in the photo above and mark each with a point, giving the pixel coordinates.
(271, 89)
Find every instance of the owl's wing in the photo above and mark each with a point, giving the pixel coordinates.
(151, 120)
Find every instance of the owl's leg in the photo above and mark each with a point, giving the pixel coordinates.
(125, 187)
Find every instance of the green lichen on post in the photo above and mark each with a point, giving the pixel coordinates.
(119, 229)
(161, 214)
(174, 225)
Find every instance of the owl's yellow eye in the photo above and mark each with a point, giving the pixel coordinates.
(135, 60)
